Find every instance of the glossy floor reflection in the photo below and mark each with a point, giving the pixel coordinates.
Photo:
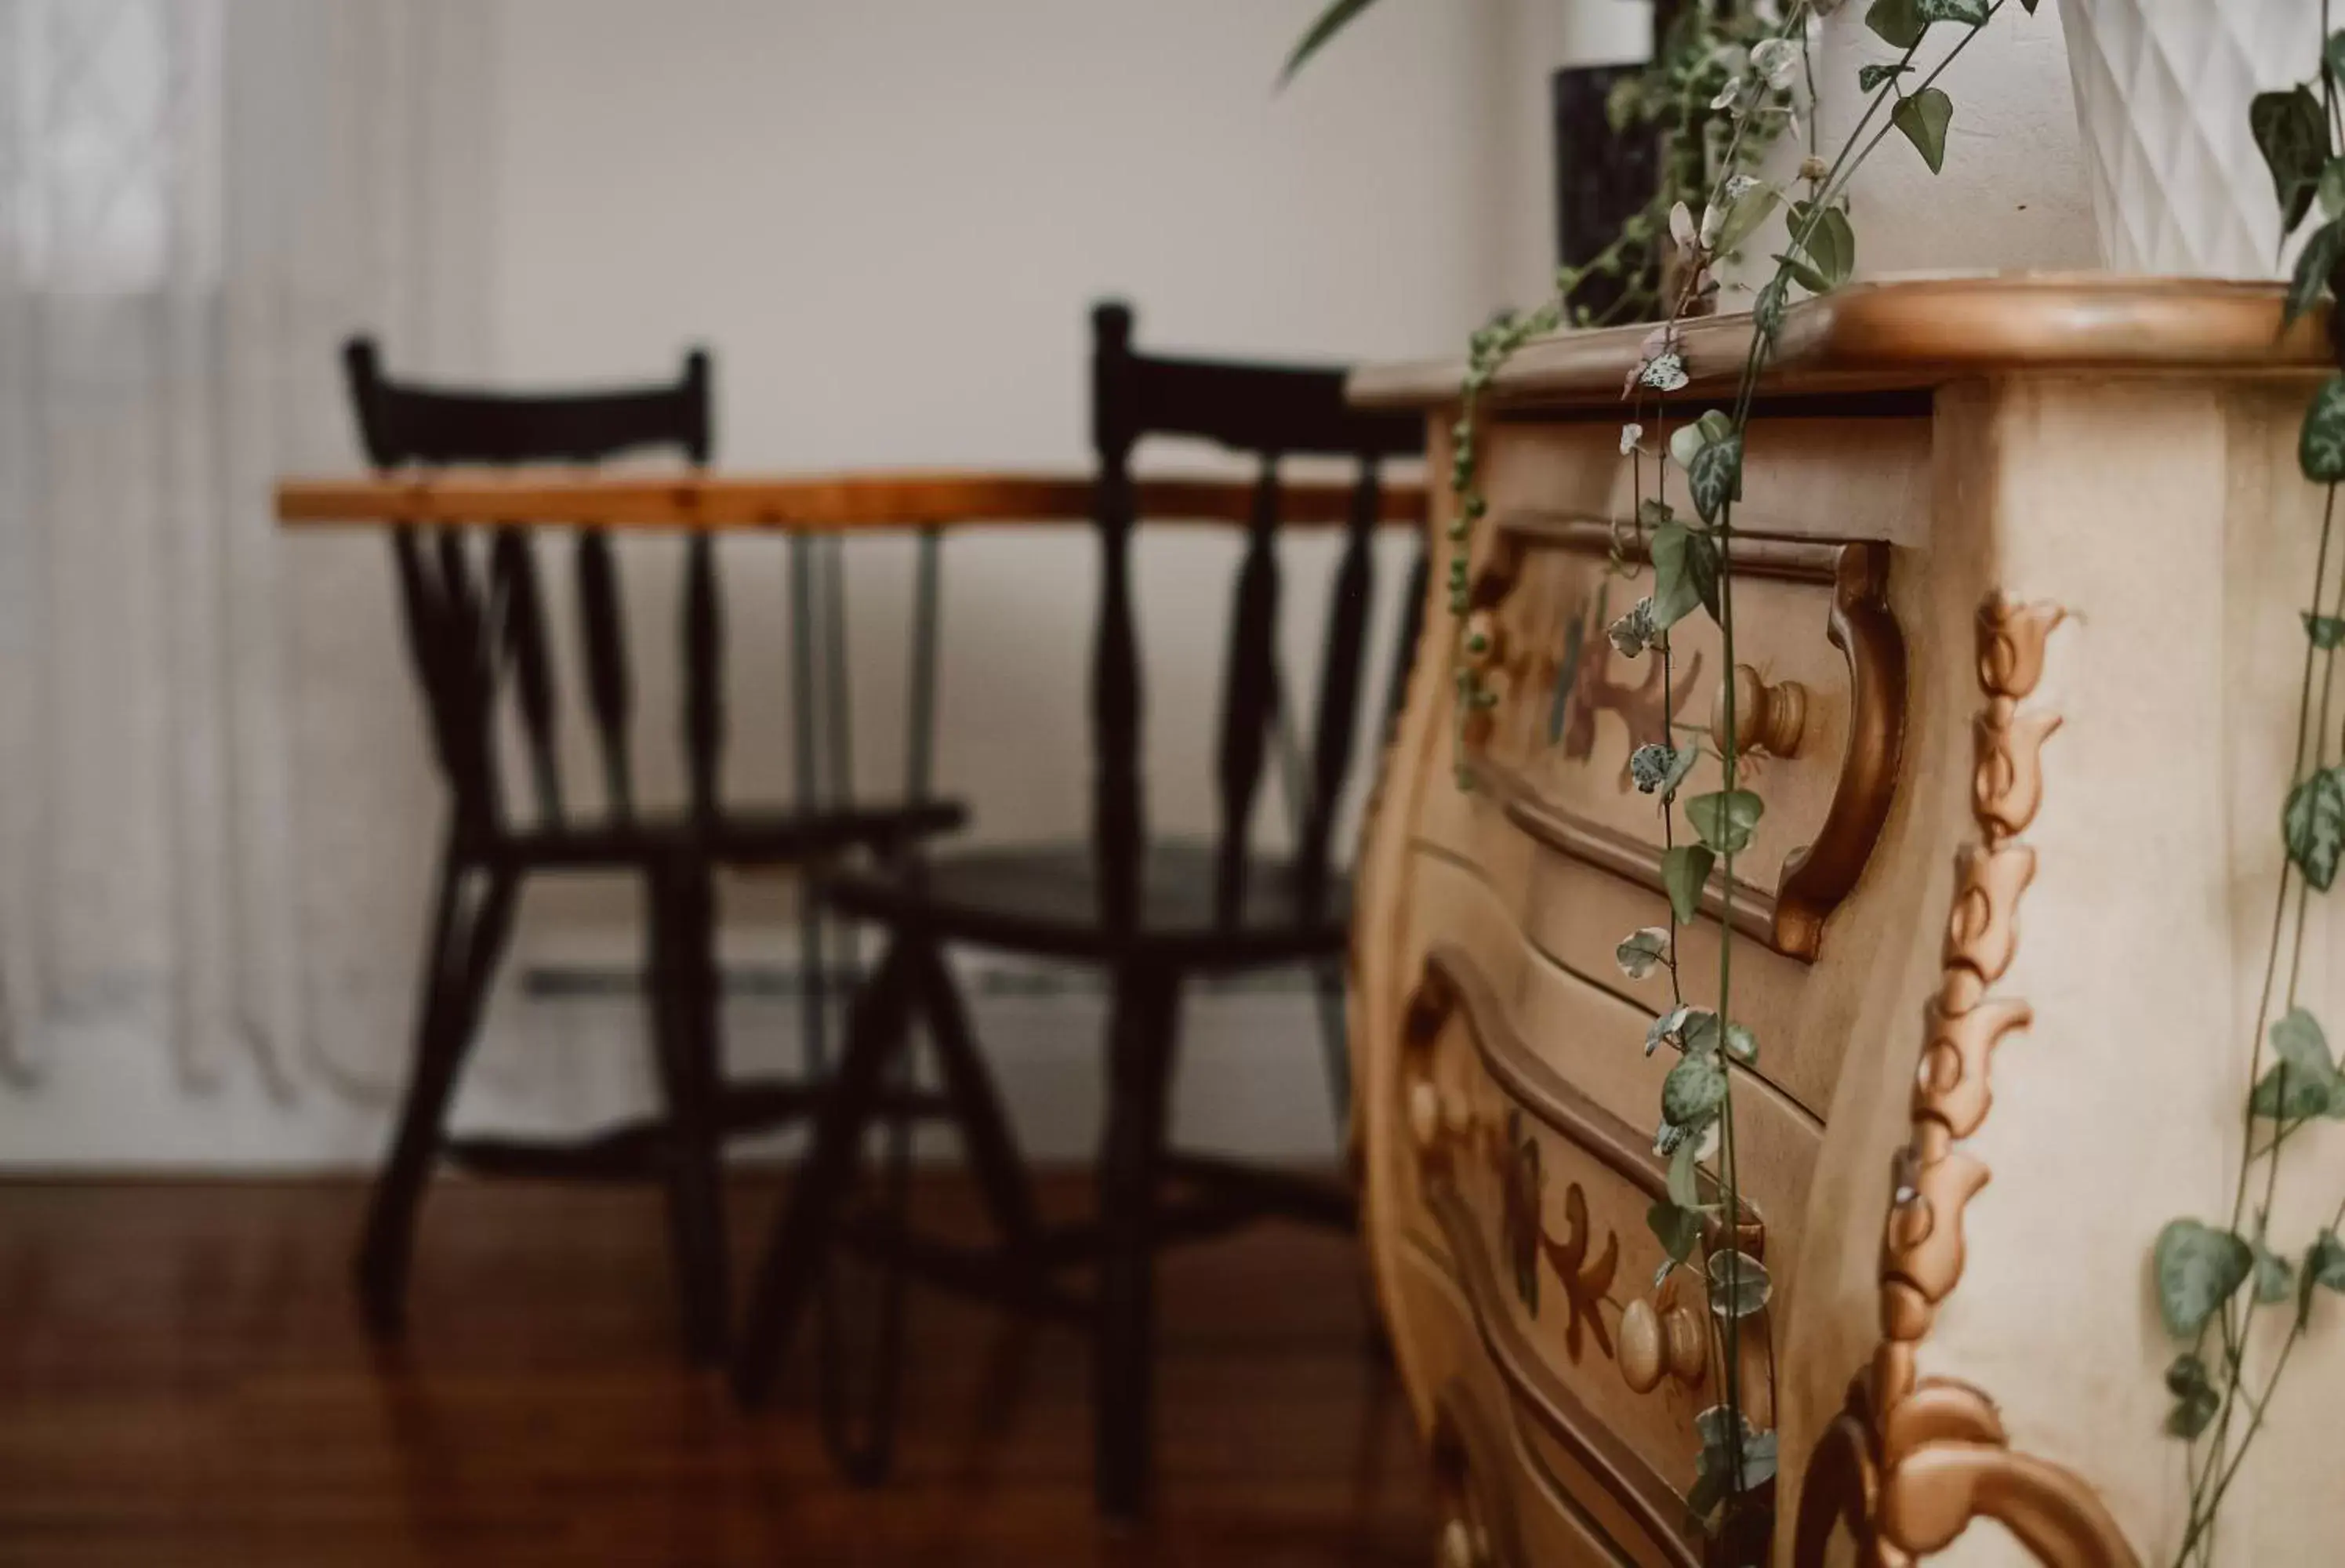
(183, 1380)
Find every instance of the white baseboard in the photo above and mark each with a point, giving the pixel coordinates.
(563, 1049)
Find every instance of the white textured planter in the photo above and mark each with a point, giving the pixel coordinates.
(2162, 89)
(2012, 195)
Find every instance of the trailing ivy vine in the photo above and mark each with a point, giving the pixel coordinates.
(2216, 1282)
(1693, 571)
(1750, 67)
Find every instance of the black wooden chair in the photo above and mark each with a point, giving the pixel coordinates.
(1148, 911)
(477, 625)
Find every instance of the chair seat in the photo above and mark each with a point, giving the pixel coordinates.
(731, 837)
(1044, 899)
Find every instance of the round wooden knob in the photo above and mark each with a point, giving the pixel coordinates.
(1424, 1113)
(1641, 1349)
(1688, 1352)
(1655, 1343)
(1766, 718)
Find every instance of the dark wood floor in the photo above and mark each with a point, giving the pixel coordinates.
(183, 1381)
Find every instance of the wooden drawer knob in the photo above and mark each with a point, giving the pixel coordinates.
(1640, 1346)
(1425, 1117)
(1463, 1545)
(1766, 718)
(1654, 1343)
(1688, 1350)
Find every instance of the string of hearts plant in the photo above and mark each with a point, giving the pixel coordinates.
(2212, 1279)
(1767, 87)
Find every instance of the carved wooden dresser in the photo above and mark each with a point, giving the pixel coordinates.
(2018, 566)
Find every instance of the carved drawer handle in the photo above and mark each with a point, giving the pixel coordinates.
(1766, 718)
(1655, 1343)
(1463, 1546)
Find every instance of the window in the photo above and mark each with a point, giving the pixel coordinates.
(110, 141)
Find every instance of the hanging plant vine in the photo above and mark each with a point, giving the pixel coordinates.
(1748, 65)
(2215, 1280)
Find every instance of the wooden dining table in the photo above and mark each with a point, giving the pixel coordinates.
(794, 503)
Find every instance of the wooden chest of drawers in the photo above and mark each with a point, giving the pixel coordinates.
(1930, 470)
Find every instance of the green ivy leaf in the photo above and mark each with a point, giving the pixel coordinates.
(1923, 117)
(1743, 217)
(1804, 274)
(2275, 1276)
(2198, 1268)
(1648, 765)
(1716, 477)
(1332, 21)
(1969, 13)
(1697, 1031)
(1685, 1165)
(1677, 1230)
(2195, 1401)
(1685, 574)
(2312, 827)
(1675, 594)
(1767, 309)
(1684, 869)
(1711, 1426)
(1826, 241)
(2314, 263)
(1739, 1286)
(1869, 77)
(1633, 632)
(1898, 22)
(1694, 1089)
(2298, 1040)
(2282, 1095)
(2325, 1265)
(2327, 632)
(1657, 769)
(2293, 136)
(2320, 447)
(1642, 952)
(1742, 1044)
(1724, 819)
(2330, 193)
(1685, 442)
(1668, 1029)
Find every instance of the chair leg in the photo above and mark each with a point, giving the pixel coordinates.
(798, 1246)
(1140, 1062)
(461, 954)
(1334, 1043)
(685, 1043)
(986, 1137)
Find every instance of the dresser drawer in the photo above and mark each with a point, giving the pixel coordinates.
(1502, 1503)
(1501, 1017)
(1821, 684)
(1533, 1197)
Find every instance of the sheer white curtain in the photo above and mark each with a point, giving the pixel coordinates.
(210, 796)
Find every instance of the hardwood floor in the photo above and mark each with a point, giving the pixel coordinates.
(183, 1381)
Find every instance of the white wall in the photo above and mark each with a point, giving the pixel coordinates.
(889, 221)
(887, 217)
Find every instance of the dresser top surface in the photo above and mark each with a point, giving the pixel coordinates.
(1914, 335)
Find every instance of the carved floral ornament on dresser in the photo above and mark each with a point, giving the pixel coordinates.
(1914, 1459)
